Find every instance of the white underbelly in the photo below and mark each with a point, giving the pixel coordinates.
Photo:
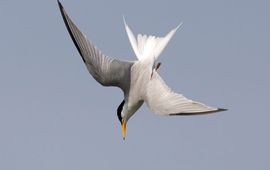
(140, 77)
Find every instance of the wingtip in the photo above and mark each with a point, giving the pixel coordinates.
(61, 7)
(59, 3)
(198, 113)
(222, 109)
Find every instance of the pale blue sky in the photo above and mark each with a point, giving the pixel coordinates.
(54, 116)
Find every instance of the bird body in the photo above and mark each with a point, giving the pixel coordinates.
(140, 76)
(138, 79)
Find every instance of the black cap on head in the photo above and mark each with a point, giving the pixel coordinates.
(119, 110)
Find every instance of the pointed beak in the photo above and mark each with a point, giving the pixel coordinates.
(123, 129)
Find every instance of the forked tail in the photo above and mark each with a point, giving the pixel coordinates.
(148, 46)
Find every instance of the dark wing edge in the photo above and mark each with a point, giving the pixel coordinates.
(66, 18)
(163, 101)
(105, 70)
(198, 113)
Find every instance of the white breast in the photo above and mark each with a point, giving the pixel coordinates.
(140, 77)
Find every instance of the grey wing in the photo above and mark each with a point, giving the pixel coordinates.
(163, 101)
(105, 70)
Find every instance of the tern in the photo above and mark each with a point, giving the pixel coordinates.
(138, 79)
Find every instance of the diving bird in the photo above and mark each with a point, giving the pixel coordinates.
(138, 79)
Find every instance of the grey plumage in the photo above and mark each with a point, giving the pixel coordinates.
(139, 80)
(105, 70)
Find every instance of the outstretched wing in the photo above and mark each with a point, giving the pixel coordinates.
(163, 101)
(105, 70)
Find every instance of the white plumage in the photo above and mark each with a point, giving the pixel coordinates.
(148, 46)
(138, 80)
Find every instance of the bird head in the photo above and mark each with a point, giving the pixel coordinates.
(122, 119)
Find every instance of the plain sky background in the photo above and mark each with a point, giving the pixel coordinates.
(55, 116)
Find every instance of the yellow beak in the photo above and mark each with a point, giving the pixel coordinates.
(123, 129)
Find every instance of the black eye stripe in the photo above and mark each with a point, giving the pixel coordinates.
(119, 109)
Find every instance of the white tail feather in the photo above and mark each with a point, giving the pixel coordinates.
(148, 46)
